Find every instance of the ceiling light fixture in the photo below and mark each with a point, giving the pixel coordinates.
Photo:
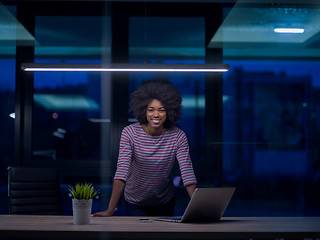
(81, 67)
(289, 30)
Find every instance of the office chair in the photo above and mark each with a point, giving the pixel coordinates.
(34, 191)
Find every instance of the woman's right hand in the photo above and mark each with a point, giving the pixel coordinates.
(118, 186)
(106, 213)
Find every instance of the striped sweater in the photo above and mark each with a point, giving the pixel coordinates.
(145, 164)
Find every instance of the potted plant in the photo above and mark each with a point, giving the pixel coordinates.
(82, 195)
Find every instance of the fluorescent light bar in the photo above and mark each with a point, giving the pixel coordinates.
(289, 30)
(81, 67)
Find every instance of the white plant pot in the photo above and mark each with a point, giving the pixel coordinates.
(81, 211)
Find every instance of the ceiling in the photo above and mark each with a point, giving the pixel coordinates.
(246, 33)
(11, 31)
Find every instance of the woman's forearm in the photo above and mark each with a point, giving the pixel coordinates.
(117, 189)
(191, 188)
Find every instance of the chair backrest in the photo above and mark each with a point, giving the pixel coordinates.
(34, 191)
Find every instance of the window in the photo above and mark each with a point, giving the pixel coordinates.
(271, 113)
(71, 118)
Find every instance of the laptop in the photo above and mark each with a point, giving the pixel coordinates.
(206, 205)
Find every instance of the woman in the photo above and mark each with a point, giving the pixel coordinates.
(147, 153)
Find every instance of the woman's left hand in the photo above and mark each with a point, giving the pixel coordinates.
(191, 188)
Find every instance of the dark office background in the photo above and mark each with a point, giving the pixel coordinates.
(256, 127)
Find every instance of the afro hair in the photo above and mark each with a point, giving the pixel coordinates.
(162, 91)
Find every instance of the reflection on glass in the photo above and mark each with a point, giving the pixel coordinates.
(7, 108)
(270, 129)
(71, 116)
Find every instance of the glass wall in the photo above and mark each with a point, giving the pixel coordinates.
(270, 100)
(72, 110)
(7, 94)
(7, 88)
(271, 111)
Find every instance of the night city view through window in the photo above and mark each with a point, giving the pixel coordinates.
(269, 100)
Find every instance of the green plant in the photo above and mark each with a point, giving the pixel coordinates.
(83, 191)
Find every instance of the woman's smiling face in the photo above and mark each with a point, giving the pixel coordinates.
(156, 114)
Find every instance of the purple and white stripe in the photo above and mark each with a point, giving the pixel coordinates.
(145, 164)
